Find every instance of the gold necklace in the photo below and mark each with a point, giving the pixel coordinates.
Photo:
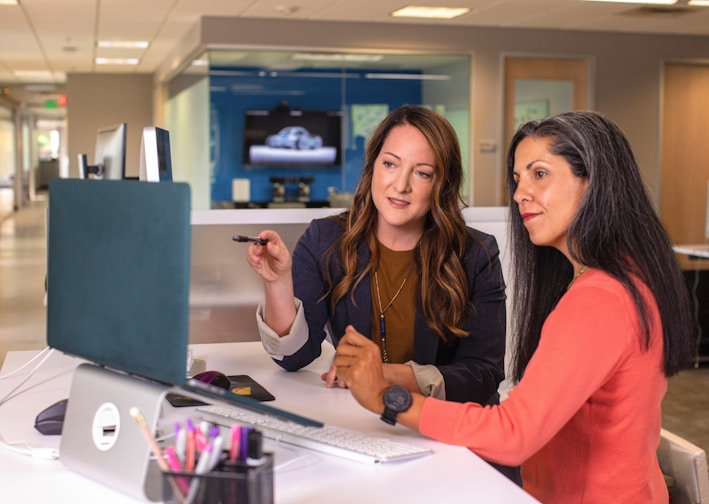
(382, 323)
(576, 276)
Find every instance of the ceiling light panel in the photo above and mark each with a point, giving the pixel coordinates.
(123, 44)
(647, 2)
(338, 57)
(117, 61)
(430, 12)
(33, 74)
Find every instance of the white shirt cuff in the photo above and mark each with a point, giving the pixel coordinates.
(282, 346)
(429, 379)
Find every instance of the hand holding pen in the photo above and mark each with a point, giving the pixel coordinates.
(272, 260)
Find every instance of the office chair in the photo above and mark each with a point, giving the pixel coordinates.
(686, 465)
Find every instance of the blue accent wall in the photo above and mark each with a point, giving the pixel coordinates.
(235, 90)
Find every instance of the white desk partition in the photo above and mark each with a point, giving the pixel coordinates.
(492, 220)
(451, 474)
(224, 290)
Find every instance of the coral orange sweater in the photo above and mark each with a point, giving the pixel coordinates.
(585, 419)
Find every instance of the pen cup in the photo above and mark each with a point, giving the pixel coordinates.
(229, 482)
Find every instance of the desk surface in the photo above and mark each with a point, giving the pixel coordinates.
(452, 474)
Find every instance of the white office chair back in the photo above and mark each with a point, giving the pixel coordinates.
(686, 463)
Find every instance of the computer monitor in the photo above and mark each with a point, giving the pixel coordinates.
(109, 155)
(155, 160)
(83, 166)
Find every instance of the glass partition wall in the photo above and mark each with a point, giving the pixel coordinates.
(267, 129)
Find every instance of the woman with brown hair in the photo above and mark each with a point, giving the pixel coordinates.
(400, 266)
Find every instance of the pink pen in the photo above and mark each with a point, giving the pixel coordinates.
(172, 459)
(235, 432)
(200, 440)
(174, 462)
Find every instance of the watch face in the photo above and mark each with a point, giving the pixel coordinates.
(397, 398)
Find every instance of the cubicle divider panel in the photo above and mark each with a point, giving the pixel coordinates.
(224, 290)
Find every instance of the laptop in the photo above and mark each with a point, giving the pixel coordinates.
(118, 296)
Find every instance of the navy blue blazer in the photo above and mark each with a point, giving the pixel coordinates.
(472, 367)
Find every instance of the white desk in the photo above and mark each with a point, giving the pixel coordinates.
(451, 474)
(701, 251)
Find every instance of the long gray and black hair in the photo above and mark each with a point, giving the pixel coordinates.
(616, 229)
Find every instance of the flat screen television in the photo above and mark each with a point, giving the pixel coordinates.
(282, 138)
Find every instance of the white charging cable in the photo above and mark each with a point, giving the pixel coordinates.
(22, 447)
(29, 375)
(23, 366)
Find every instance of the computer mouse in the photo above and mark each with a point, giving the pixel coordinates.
(50, 420)
(214, 378)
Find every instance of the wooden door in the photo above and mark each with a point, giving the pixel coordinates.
(685, 155)
(575, 71)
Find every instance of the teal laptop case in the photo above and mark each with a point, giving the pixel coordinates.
(118, 274)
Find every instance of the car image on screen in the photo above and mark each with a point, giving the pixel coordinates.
(294, 137)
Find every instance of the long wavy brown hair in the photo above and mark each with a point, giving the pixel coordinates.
(439, 253)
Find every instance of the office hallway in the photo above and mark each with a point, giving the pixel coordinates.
(22, 272)
(23, 315)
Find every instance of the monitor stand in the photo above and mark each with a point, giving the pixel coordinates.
(100, 438)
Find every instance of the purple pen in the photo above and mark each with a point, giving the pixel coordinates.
(244, 444)
(216, 456)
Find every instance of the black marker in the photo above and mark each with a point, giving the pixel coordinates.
(255, 239)
(255, 448)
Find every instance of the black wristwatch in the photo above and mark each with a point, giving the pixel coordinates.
(397, 399)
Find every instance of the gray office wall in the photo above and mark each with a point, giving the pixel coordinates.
(96, 100)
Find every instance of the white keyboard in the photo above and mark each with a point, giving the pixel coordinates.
(328, 439)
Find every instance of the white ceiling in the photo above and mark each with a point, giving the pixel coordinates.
(60, 36)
